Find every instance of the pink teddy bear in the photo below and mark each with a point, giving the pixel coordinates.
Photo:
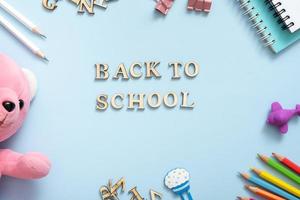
(17, 88)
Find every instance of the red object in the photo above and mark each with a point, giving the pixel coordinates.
(191, 4)
(164, 6)
(199, 5)
(290, 164)
(207, 6)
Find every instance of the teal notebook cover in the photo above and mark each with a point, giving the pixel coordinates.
(282, 38)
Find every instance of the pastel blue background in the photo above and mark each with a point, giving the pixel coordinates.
(239, 80)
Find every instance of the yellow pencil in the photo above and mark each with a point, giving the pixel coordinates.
(278, 182)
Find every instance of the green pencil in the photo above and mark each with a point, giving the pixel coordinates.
(280, 168)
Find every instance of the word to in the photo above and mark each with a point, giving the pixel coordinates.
(148, 70)
(110, 192)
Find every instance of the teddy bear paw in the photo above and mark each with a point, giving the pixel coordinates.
(34, 165)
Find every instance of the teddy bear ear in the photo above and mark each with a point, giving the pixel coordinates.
(32, 82)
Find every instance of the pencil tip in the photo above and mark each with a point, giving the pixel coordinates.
(259, 155)
(46, 59)
(262, 157)
(43, 36)
(244, 175)
(37, 31)
(255, 170)
(278, 157)
(247, 186)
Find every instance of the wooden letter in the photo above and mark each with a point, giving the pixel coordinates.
(194, 73)
(111, 192)
(174, 97)
(158, 100)
(121, 71)
(115, 187)
(101, 3)
(135, 194)
(185, 101)
(113, 101)
(154, 194)
(151, 71)
(105, 194)
(175, 66)
(133, 74)
(76, 2)
(102, 102)
(139, 101)
(101, 69)
(89, 7)
(49, 6)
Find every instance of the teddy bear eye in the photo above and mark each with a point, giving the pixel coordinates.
(21, 104)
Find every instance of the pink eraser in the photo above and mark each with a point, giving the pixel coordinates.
(199, 5)
(167, 3)
(207, 5)
(161, 8)
(191, 4)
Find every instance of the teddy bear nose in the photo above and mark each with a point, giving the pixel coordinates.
(9, 106)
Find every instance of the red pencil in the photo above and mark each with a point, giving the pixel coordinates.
(290, 164)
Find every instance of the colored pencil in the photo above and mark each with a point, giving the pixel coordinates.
(20, 17)
(271, 188)
(263, 193)
(277, 166)
(290, 164)
(8, 26)
(244, 198)
(276, 181)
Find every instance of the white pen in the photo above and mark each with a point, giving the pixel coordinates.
(30, 45)
(21, 18)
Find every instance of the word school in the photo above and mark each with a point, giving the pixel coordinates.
(148, 70)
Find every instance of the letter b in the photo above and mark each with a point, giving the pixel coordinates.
(101, 72)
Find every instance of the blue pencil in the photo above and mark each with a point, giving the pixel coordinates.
(269, 187)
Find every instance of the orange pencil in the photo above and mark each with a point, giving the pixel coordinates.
(263, 193)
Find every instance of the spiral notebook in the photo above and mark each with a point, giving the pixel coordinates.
(266, 19)
(289, 12)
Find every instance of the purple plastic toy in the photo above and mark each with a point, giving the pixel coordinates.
(280, 117)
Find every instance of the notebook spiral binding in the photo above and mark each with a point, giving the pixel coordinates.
(279, 13)
(258, 23)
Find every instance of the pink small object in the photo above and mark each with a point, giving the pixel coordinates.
(207, 5)
(191, 4)
(164, 6)
(280, 117)
(17, 89)
(199, 5)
